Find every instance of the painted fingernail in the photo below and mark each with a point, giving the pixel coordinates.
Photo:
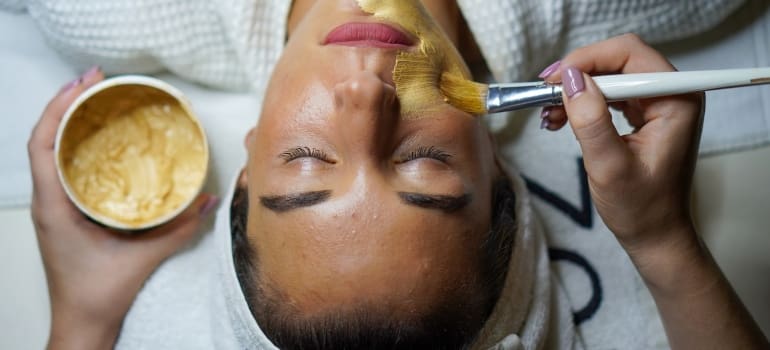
(71, 85)
(544, 124)
(549, 70)
(91, 72)
(209, 206)
(573, 81)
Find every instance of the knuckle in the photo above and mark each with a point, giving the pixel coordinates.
(588, 124)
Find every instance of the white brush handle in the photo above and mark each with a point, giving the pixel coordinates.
(514, 96)
(640, 85)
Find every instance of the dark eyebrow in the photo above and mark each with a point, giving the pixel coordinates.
(445, 203)
(286, 202)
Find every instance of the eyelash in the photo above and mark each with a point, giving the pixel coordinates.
(305, 152)
(427, 152)
(421, 152)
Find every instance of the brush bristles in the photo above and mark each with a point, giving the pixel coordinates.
(464, 94)
(417, 78)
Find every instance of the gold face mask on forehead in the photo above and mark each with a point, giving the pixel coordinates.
(417, 75)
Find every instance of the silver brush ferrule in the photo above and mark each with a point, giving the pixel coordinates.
(511, 97)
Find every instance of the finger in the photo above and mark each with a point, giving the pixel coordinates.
(554, 118)
(604, 151)
(92, 76)
(46, 187)
(621, 54)
(167, 239)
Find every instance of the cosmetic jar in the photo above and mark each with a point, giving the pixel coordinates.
(130, 153)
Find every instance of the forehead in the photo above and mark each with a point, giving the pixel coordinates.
(381, 249)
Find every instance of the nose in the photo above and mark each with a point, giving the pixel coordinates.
(367, 111)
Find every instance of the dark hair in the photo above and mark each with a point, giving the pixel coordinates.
(450, 326)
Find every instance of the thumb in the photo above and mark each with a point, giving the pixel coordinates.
(165, 240)
(604, 151)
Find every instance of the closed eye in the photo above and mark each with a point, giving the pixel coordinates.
(305, 152)
(431, 152)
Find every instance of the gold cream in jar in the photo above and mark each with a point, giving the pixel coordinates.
(130, 153)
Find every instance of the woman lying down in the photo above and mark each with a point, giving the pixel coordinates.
(371, 214)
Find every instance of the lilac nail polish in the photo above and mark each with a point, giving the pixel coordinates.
(573, 81)
(549, 70)
(545, 113)
(209, 206)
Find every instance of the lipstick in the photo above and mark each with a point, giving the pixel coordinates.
(376, 35)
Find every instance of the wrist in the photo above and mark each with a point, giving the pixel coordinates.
(72, 331)
(676, 263)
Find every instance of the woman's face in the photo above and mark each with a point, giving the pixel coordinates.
(350, 202)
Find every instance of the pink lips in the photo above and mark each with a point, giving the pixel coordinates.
(368, 35)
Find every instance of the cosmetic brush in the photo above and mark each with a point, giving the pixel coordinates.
(477, 98)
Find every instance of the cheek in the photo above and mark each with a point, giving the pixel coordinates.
(300, 95)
